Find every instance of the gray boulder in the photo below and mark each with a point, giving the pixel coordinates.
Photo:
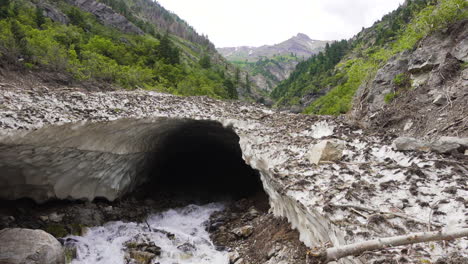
(27, 246)
(442, 145)
(449, 144)
(410, 144)
(326, 150)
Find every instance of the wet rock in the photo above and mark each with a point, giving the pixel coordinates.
(243, 232)
(233, 257)
(88, 216)
(240, 261)
(20, 246)
(6, 221)
(69, 247)
(326, 150)
(54, 217)
(140, 250)
(187, 247)
(139, 257)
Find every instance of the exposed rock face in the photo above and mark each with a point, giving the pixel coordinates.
(107, 15)
(317, 200)
(277, 72)
(26, 246)
(434, 101)
(54, 13)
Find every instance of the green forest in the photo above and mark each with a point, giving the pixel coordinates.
(344, 66)
(88, 50)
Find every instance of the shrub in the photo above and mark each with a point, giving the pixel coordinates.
(402, 80)
(390, 96)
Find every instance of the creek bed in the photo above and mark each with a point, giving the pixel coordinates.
(180, 234)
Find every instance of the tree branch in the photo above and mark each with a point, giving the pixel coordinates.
(335, 253)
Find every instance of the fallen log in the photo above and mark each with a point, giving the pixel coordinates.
(335, 253)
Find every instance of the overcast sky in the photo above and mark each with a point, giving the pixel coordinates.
(231, 23)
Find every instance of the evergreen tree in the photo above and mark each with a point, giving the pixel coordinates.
(247, 82)
(19, 35)
(77, 18)
(166, 52)
(39, 18)
(237, 76)
(231, 89)
(4, 5)
(205, 61)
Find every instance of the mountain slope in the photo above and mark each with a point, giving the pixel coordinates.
(130, 44)
(330, 88)
(300, 45)
(270, 64)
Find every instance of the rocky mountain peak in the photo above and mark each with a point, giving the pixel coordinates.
(302, 36)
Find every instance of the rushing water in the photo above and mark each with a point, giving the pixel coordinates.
(179, 232)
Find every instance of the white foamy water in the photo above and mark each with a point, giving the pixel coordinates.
(105, 244)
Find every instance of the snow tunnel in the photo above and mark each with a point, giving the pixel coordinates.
(111, 159)
(201, 157)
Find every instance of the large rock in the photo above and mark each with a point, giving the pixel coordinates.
(26, 246)
(326, 150)
(449, 144)
(244, 231)
(410, 144)
(442, 145)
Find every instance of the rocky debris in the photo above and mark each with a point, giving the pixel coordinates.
(244, 231)
(19, 246)
(443, 145)
(76, 217)
(454, 258)
(272, 242)
(326, 150)
(233, 257)
(435, 100)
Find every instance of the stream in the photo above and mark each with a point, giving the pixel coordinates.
(180, 234)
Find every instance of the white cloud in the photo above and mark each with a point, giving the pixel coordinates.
(259, 22)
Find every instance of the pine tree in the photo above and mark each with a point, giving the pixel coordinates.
(166, 52)
(205, 61)
(39, 18)
(231, 89)
(247, 82)
(237, 76)
(4, 4)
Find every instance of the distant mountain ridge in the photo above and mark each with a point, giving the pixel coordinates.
(301, 45)
(268, 65)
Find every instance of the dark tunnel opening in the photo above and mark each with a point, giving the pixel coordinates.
(202, 159)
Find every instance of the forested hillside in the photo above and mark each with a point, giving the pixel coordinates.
(268, 65)
(327, 82)
(131, 44)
